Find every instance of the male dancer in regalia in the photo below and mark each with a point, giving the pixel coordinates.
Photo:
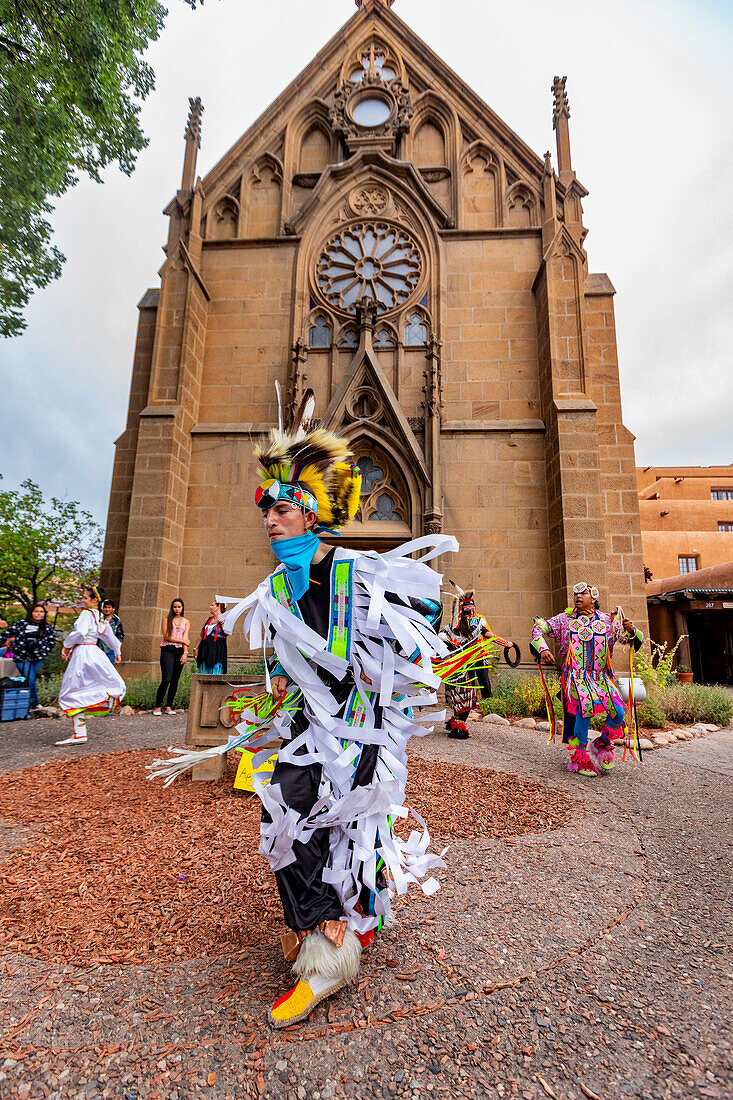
(585, 638)
(353, 636)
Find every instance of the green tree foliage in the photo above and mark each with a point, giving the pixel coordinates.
(47, 548)
(71, 78)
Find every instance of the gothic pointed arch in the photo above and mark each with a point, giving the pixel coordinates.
(482, 187)
(308, 148)
(521, 207)
(416, 327)
(262, 206)
(404, 233)
(391, 505)
(347, 337)
(222, 220)
(432, 146)
(386, 336)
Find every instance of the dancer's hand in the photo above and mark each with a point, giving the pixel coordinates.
(279, 687)
(118, 659)
(628, 626)
(65, 653)
(547, 658)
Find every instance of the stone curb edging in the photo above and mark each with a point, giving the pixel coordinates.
(661, 739)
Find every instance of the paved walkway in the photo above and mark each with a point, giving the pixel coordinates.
(585, 961)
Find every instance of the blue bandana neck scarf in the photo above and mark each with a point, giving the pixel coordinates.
(296, 554)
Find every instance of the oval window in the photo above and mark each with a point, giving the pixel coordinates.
(371, 112)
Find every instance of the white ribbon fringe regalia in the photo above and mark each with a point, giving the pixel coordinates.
(388, 646)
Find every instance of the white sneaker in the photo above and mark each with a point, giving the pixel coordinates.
(158, 712)
(75, 739)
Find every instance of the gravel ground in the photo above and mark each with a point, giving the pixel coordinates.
(587, 960)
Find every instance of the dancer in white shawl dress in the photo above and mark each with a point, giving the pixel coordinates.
(91, 685)
(354, 636)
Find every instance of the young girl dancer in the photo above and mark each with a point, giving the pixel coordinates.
(91, 685)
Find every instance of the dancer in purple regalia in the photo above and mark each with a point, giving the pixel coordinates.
(585, 639)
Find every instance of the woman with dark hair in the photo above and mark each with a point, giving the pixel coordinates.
(90, 685)
(173, 654)
(210, 650)
(32, 639)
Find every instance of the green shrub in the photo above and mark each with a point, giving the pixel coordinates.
(689, 703)
(656, 668)
(517, 696)
(48, 688)
(141, 690)
(651, 714)
(493, 706)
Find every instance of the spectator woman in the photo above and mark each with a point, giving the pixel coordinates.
(173, 654)
(31, 640)
(210, 650)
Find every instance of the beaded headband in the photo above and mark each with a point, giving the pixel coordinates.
(583, 586)
(271, 491)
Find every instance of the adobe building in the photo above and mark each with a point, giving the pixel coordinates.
(697, 608)
(686, 518)
(380, 235)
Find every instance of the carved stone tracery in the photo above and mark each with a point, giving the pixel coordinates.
(370, 200)
(369, 261)
(394, 93)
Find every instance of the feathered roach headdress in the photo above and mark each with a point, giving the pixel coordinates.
(460, 599)
(315, 461)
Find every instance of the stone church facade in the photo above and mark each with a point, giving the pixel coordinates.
(381, 236)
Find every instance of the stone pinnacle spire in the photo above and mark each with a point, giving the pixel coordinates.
(374, 5)
(560, 116)
(192, 137)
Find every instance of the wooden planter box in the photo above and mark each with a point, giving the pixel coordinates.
(209, 722)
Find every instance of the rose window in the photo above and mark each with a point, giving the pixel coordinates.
(369, 260)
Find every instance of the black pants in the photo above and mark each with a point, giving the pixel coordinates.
(306, 898)
(171, 669)
(484, 683)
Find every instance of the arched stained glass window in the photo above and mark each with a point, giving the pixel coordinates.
(416, 331)
(350, 339)
(384, 339)
(319, 335)
(385, 509)
(384, 495)
(371, 475)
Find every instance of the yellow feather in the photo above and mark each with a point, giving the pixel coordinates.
(352, 504)
(347, 491)
(314, 479)
(318, 460)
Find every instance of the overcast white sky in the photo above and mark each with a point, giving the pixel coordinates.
(650, 85)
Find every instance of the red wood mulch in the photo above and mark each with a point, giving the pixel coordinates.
(121, 870)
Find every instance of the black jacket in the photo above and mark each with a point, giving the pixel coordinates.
(31, 641)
